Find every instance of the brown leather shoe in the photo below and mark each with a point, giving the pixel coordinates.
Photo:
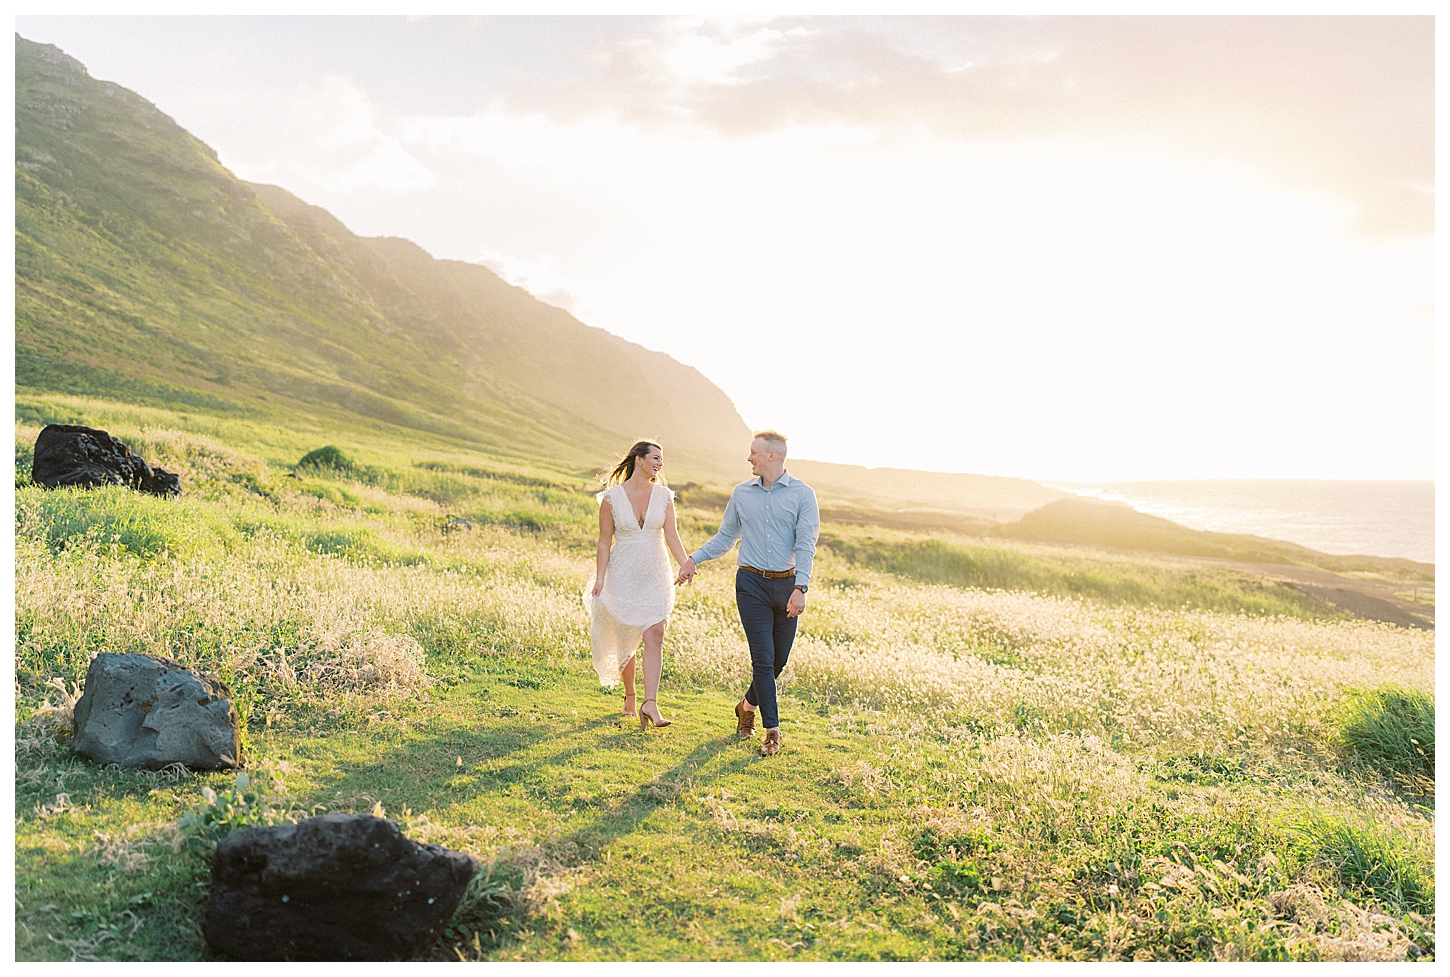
(744, 721)
(771, 745)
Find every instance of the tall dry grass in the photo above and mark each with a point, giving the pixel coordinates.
(1182, 680)
(1055, 725)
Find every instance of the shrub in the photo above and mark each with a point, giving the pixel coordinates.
(1393, 728)
(1373, 860)
(340, 661)
(248, 804)
(956, 877)
(329, 456)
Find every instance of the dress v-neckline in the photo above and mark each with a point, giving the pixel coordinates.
(647, 503)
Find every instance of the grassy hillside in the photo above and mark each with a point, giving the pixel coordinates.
(146, 271)
(1059, 571)
(470, 314)
(996, 747)
(969, 773)
(1118, 525)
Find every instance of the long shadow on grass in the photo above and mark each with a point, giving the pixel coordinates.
(627, 814)
(422, 773)
(427, 774)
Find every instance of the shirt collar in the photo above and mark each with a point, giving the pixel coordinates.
(784, 479)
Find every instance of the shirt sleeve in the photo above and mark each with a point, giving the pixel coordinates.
(807, 529)
(720, 543)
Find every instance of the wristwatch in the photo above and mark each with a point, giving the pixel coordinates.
(802, 587)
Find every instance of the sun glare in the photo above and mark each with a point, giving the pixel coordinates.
(1164, 269)
(1030, 296)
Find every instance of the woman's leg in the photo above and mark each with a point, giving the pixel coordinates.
(654, 663)
(628, 675)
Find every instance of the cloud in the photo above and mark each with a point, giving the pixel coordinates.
(689, 54)
(348, 150)
(538, 278)
(389, 167)
(1329, 104)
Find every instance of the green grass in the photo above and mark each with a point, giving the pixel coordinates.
(1374, 861)
(1393, 729)
(968, 774)
(685, 844)
(116, 519)
(1141, 582)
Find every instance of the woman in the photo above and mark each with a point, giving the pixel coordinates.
(632, 591)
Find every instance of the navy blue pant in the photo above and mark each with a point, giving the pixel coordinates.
(761, 602)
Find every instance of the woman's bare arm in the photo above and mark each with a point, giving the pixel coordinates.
(601, 552)
(672, 535)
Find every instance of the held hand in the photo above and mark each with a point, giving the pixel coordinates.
(687, 572)
(796, 604)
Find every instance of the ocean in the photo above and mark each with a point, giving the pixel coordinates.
(1375, 518)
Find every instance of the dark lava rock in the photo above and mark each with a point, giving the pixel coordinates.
(147, 711)
(68, 454)
(333, 887)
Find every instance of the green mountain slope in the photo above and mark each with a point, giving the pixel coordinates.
(147, 272)
(468, 311)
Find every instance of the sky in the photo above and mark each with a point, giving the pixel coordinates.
(1065, 248)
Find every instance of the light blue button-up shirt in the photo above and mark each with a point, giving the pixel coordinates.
(777, 527)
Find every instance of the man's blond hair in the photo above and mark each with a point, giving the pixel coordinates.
(773, 439)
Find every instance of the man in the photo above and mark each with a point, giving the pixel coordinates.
(776, 519)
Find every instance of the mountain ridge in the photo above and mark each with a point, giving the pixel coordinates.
(1081, 521)
(144, 267)
(147, 271)
(468, 308)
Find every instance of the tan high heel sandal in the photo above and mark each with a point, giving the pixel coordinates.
(646, 720)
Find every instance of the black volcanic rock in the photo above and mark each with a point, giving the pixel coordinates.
(147, 711)
(69, 454)
(332, 887)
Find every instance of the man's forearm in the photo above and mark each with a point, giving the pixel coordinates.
(807, 531)
(720, 543)
(804, 561)
(715, 546)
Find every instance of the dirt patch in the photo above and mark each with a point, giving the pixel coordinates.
(1370, 599)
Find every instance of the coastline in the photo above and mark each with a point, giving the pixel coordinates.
(1387, 518)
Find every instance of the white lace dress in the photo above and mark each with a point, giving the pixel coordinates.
(639, 586)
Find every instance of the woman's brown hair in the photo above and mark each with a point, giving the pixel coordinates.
(624, 471)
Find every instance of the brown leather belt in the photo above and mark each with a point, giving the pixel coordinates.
(769, 574)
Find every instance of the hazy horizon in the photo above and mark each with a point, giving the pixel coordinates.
(1376, 517)
(1065, 249)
